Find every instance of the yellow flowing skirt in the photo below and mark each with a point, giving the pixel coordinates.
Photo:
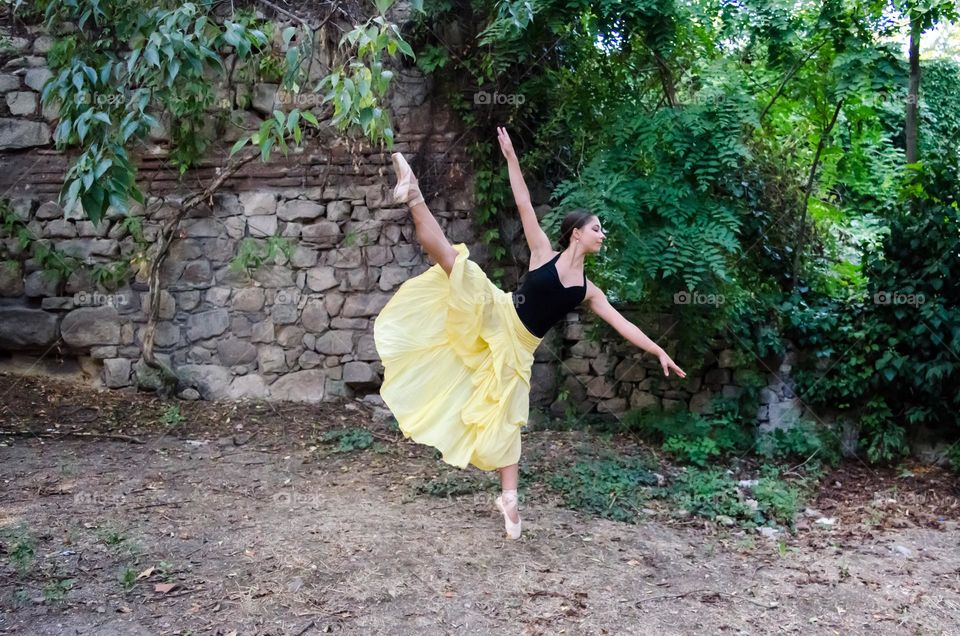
(457, 362)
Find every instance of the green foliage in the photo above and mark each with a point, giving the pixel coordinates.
(348, 439)
(55, 591)
(693, 438)
(128, 578)
(777, 500)
(610, 487)
(172, 416)
(805, 440)
(711, 492)
(129, 60)
(953, 456)
(708, 493)
(883, 438)
(21, 548)
(55, 264)
(253, 253)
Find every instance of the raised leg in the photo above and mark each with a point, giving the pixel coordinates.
(428, 230)
(432, 238)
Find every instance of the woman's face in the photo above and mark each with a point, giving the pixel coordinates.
(591, 235)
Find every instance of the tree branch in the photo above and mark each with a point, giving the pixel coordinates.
(171, 382)
(788, 77)
(809, 189)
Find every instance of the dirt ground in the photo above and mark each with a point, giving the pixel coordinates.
(239, 519)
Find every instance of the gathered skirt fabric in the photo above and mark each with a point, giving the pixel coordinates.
(457, 363)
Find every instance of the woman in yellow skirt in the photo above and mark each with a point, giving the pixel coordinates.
(457, 351)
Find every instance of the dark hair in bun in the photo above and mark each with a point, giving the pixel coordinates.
(574, 220)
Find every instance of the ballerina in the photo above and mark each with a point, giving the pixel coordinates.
(457, 351)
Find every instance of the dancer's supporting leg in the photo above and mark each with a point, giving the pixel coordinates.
(509, 476)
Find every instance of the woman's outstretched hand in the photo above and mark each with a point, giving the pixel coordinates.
(668, 364)
(506, 146)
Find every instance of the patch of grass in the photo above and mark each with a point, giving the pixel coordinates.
(172, 416)
(128, 578)
(22, 551)
(777, 499)
(613, 487)
(119, 543)
(56, 591)
(690, 437)
(165, 570)
(21, 597)
(22, 548)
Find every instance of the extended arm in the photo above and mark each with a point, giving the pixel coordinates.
(599, 304)
(536, 237)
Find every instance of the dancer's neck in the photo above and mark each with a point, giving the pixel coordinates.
(573, 256)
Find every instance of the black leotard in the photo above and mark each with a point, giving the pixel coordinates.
(542, 300)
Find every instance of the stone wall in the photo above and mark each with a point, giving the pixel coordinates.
(578, 373)
(297, 328)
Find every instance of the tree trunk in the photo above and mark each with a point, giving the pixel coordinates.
(809, 188)
(913, 91)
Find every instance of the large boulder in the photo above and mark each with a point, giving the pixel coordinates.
(302, 386)
(211, 380)
(207, 324)
(20, 133)
(91, 326)
(23, 328)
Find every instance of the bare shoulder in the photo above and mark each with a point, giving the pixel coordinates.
(539, 258)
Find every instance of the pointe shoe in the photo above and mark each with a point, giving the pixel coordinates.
(513, 529)
(407, 190)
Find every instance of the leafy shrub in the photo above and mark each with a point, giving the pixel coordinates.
(884, 440)
(801, 441)
(712, 492)
(777, 500)
(690, 437)
(611, 487)
(708, 493)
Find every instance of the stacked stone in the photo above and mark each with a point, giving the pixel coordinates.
(22, 121)
(298, 328)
